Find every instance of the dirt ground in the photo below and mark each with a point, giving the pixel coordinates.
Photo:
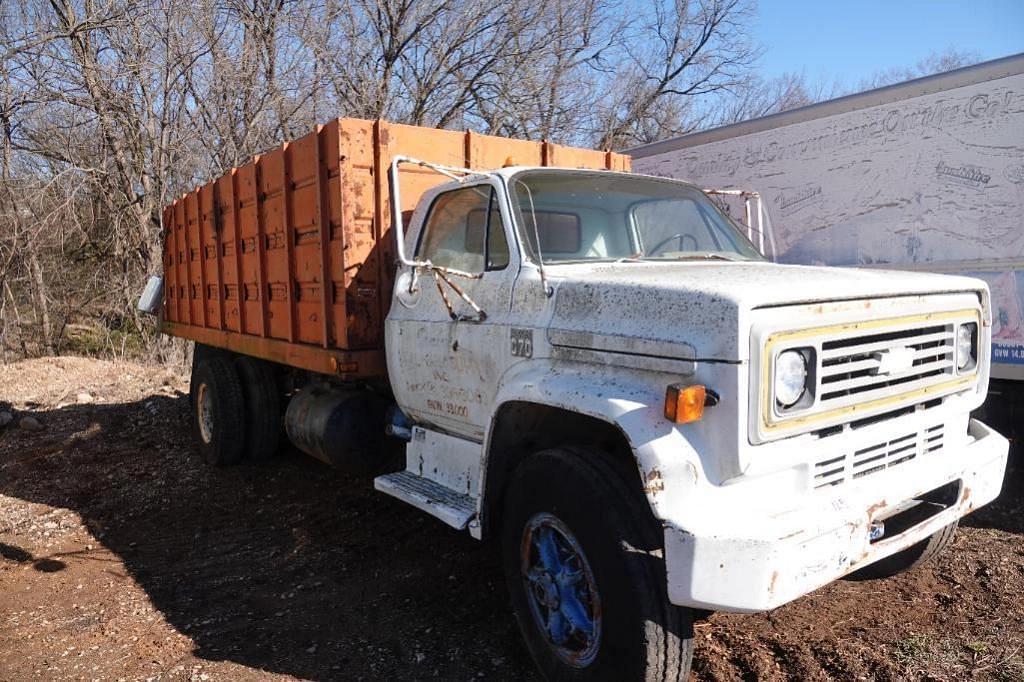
(122, 556)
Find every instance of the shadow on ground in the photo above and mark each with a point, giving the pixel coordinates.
(287, 567)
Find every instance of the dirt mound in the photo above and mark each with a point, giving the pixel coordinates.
(123, 556)
(56, 382)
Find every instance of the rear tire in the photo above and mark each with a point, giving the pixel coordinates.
(909, 558)
(218, 410)
(199, 353)
(262, 408)
(584, 564)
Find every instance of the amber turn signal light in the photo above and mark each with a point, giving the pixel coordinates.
(684, 404)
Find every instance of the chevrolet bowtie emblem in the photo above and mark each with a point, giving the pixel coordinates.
(894, 360)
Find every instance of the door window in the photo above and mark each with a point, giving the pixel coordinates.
(464, 231)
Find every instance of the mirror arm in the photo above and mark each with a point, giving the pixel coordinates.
(440, 273)
(396, 212)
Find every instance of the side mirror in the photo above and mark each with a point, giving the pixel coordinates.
(153, 295)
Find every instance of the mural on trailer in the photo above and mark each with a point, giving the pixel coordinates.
(936, 179)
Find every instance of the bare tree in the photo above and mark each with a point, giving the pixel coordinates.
(684, 50)
(546, 87)
(758, 97)
(755, 96)
(936, 62)
(88, 142)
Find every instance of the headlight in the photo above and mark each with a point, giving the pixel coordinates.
(790, 377)
(965, 345)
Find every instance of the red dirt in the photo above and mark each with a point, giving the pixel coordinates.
(122, 556)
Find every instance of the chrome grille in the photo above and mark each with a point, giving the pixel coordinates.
(878, 457)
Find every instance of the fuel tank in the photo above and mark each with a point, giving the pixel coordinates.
(344, 427)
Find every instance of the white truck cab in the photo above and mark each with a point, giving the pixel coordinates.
(599, 370)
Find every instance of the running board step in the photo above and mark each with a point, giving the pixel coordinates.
(455, 509)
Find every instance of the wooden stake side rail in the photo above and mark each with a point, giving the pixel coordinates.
(302, 241)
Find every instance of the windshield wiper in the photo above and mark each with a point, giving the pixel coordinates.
(715, 256)
(709, 255)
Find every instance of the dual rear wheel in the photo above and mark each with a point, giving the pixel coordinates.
(236, 407)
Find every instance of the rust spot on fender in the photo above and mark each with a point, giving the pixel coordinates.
(653, 482)
(771, 584)
(873, 509)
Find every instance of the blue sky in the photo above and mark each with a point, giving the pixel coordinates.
(847, 40)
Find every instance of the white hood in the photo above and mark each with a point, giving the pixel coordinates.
(696, 310)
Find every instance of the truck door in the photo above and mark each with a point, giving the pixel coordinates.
(445, 358)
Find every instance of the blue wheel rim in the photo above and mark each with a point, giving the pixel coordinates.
(561, 590)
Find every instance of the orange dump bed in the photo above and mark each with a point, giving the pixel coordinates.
(291, 257)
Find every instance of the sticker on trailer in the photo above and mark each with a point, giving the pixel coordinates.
(1007, 289)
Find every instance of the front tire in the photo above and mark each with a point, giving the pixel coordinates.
(584, 564)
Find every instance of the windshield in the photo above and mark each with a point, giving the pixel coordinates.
(585, 216)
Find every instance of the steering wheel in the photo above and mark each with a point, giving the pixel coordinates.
(681, 236)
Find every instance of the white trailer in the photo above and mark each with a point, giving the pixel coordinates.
(922, 175)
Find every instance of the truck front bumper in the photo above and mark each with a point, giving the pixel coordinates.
(758, 559)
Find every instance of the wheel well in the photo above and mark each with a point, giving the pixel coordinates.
(523, 428)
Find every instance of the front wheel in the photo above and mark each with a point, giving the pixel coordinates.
(583, 560)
